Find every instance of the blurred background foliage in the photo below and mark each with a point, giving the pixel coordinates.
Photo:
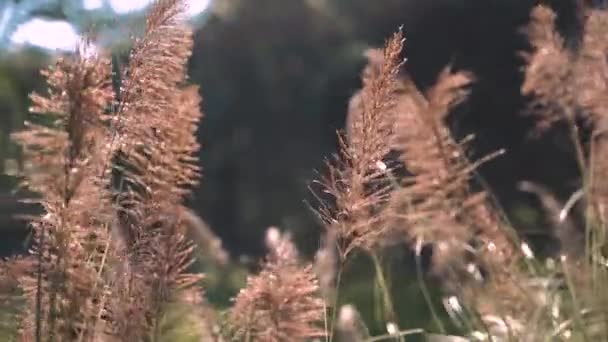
(276, 77)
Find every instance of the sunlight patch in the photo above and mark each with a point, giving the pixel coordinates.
(196, 7)
(122, 6)
(92, 4)
(48, 34)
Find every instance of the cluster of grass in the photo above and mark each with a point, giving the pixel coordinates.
(113, 157)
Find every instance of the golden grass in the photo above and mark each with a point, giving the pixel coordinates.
(113, 248)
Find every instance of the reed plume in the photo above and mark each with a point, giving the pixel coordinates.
(157, 117)
(113, 258)
(356, 178)
(282, 302)
(435, 204)
(569, 86)
(64, 165)
(548, 71)
(432, 202)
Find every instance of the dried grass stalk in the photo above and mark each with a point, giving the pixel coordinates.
(90, 283)
(435, 204)
(571, 85)
(548, 70)
(282, 302)
(64, 165)
(356, 179)
(158, 118)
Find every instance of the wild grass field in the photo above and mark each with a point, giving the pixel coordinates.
(110, 151)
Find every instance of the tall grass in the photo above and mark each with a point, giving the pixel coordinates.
(113, 250)
(110, 254)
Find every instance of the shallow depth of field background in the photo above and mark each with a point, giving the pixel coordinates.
(276, 76)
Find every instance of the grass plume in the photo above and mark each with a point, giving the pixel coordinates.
(282, 302)
(98, 276)
(114, 247)
(353, 178)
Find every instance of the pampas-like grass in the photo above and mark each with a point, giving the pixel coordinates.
(570, 86)
(355, 177)
(282, 302)
(64, 165)
(94, 275)
(112, 253)
(435, 204)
